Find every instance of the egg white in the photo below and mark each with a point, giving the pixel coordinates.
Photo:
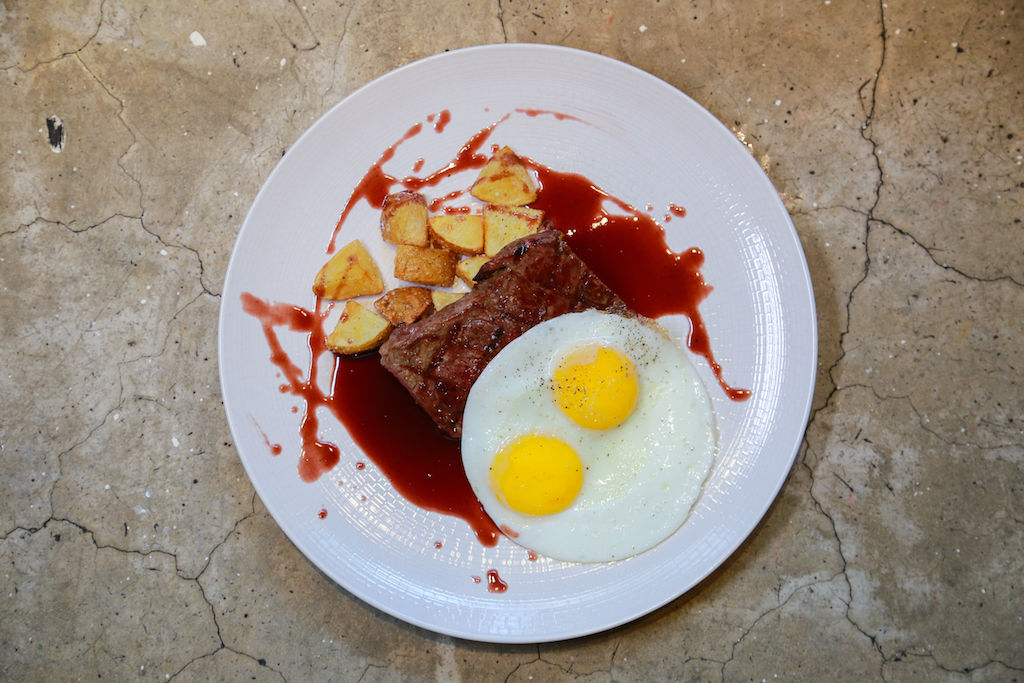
(641, 479)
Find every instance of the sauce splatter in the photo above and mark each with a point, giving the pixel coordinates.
(613, 244)
(379, 414)
(674, 210)
(275, 448)
(443, 119)
(376, 184)
(494, 582)
(533, 113)
(316, 457)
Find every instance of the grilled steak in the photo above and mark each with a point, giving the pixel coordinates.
(531, 280)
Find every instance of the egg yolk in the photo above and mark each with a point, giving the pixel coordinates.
(537, 475)
(596, 387)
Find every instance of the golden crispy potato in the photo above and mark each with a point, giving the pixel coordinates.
(504, 224)
(425, 265)
(462, 233)
(403, 218)
(359, 329)
(441, 298)
(504, 180)
(350, 272)
(404, 305)
(467, 268)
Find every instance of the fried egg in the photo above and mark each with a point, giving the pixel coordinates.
(589, 437)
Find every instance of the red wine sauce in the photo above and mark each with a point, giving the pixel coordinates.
(316, 456)
(628, 252)
(274, 448)
(423, 465)
(376, 184)
(494, 582)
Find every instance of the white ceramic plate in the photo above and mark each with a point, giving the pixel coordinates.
(644, 142)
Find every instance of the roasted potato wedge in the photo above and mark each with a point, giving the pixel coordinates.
(403, 219)
(359, 329)
(349, 273)
(504, 180)
(462, 233)
(404, 305)
(441, 298)
(425, 265)
(467, 268)
(504, 224)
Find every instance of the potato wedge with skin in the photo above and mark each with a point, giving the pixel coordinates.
(349, 273)
(441, 298)
(403, 219)
(467, 268)
(462, 233)
(404, 305)
(425, 265)
(504, 224)
(359, 329)
(504, 180)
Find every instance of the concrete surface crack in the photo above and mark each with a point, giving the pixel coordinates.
(334, 57)
(60, 462)
(309, 28)
(213, 612)
(959, 670)
(839, 542)
(167, 335)
(537, 658)
(40, 219)
(945, 266)
(804, 211)
(99, 546)
(75, 51)
(216, 546)
(842, 572)
(216, 625)
(611, 660)
(120, 117)
(381, 667)
(772, 610)
(501, 22)
(872, 97)
(195, 252)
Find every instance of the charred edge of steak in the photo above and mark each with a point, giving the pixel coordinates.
(533, 279)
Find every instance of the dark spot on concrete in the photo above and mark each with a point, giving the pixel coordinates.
(55, 132)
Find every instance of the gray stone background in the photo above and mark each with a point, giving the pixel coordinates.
(131, 542)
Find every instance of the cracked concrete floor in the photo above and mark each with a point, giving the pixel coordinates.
(893, 132)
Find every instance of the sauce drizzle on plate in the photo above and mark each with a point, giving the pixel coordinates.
(423, 465)
(626, 249)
